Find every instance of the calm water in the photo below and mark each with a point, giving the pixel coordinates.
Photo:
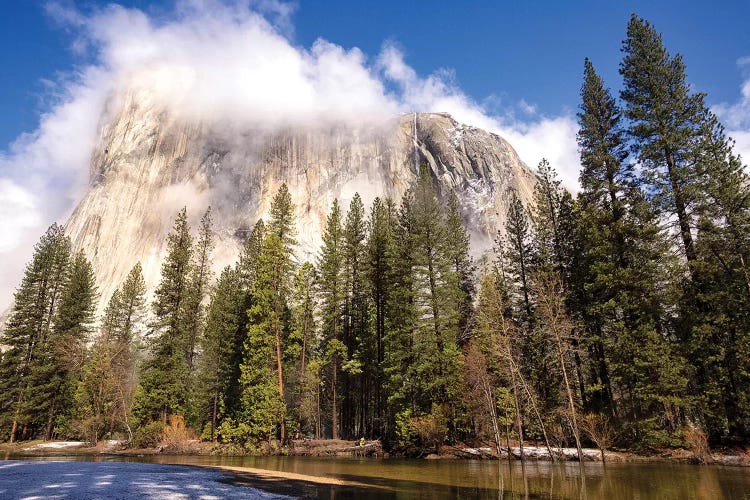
(407, 479)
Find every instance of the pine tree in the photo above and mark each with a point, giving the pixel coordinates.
(515, 248)
(28, 330)
(690, 167)
(199, 281)
(437, 363)
(462, 264)
(303, 344)
(304, 312)
(401, 385)
(665, 119)
(217, 345)
(269, 322)
(548, 196)
(282, 220)
(380, 243)
(262, 374)
(247, 272)
(623, 276)
(165, 372)
(332, 292)
(356, 416)
(55, 378)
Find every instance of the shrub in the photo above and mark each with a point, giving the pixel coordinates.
(232, 432)
(697, 442)
(430, 430)
(177, 437)
(599, 430)
(150, 435)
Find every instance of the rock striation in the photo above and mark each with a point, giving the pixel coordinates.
(149, 164)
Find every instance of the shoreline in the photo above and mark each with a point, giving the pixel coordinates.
(532, 453)
(294, 484)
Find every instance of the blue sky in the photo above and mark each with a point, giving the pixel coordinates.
(500, 52)
(513, 68)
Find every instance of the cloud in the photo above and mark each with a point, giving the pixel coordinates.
(225, 61)
(527, 108)
(736, 116)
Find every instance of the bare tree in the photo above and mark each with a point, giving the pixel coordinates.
(598, 427)
(559, 328)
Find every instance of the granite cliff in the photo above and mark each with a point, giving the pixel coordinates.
(149, 164)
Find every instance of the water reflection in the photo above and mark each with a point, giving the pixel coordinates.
(407, 479)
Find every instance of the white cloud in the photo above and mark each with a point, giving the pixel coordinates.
(527, 108)
(736, 116)
(232, 61)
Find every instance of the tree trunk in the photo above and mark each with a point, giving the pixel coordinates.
(281, 378)
(681, 210)
(570, 397)
(317, 412)
(334, 412)
(14, 427)
(304, 346)
(519, 420)
(490, 399)
(213, 415)
(50, 417)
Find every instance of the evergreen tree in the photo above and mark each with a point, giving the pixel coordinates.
(200, 278)
(515, 248)
(356, 416)
(401, 385)
(247, 272)
(331, 290)
(165, 372)
(195, 310)
(262, 378)
(623, 278)
(437, 363)
(304, 312)
(690, 168)
(56, 376)
(380, 244)
(217, 345)
(282, 218)
(269, 323)
(302, 346)
(28, 330)
(462, 264)
(665, 119)
(548, 196)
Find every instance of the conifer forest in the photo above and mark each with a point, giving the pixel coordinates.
(618, 316)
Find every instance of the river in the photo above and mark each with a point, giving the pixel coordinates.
(407, 479)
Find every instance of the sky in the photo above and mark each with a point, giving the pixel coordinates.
(511, 67)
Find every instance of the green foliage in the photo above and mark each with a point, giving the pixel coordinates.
(628, 304)
(27, 336)
(149, 435)
(165, 373)
(215, 370)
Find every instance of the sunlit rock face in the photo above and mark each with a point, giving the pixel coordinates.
(148, 165)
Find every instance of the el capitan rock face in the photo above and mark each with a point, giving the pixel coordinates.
(149, 164)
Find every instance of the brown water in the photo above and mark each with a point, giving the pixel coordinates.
(407, 479)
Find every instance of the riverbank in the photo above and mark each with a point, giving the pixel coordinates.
(355, 449)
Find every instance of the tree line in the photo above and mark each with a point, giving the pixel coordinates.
(620, 316)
